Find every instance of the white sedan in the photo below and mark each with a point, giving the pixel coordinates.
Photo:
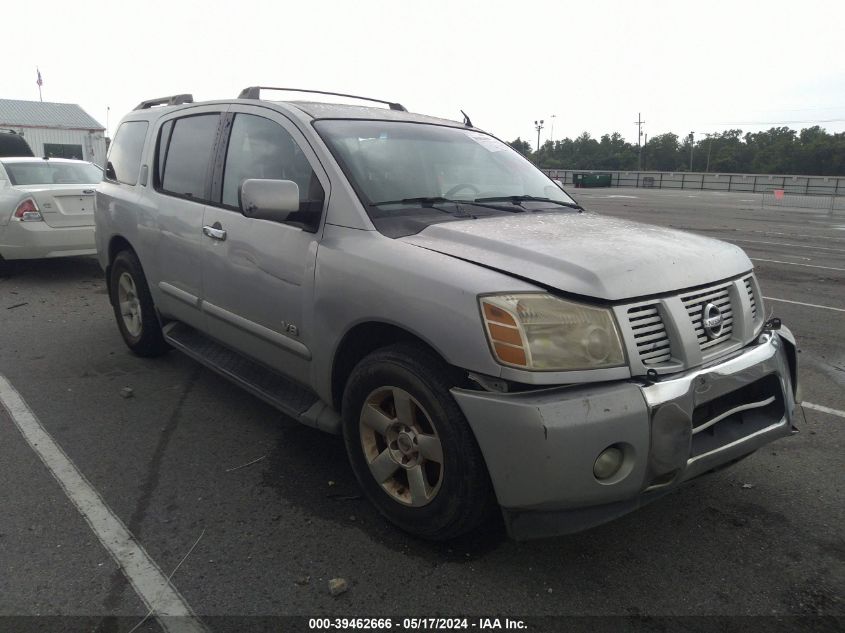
(46, 208)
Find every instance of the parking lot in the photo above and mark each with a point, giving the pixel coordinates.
(252, 513)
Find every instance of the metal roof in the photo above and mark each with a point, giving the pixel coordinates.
(15, 113)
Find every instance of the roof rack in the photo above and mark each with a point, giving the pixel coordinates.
(254, 92)
(171, 101)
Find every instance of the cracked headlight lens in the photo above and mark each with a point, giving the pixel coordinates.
(540, 332)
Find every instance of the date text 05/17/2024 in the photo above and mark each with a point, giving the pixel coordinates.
(415, 624)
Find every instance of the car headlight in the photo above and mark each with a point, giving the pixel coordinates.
(538, 331)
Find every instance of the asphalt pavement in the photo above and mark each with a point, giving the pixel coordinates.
(252, 514)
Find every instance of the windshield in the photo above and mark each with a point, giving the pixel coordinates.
(391, 163)
(52, 173)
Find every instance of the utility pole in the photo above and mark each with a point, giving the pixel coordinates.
(709, 147)
(645, 144)
(691, 146)
(552, 133)
(538, 125)
(639, 123)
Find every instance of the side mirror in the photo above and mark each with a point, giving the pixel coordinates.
(269, 199)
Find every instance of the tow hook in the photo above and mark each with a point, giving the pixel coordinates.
(652, 377)
(772, 324)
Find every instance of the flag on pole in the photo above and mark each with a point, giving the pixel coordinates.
(40, 82)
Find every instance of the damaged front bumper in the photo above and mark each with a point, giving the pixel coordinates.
(541, 446)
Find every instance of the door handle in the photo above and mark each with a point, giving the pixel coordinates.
(215, 232)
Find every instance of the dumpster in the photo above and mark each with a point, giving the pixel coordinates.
(592, 180)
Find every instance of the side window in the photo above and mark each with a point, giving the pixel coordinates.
(161, 151)
(261, 148)
(183, 164)
(124, 159)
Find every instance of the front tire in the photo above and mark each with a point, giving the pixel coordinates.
(134, 309)
(410, 445)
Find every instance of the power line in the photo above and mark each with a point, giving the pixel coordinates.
(778, 122)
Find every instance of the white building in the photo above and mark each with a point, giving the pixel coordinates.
(60, 130)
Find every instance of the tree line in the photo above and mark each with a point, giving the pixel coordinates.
(780, 150)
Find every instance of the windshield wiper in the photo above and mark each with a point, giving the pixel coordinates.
(423, 200)
(430, 201)
(519, 199)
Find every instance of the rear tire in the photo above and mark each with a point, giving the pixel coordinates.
(410, 445)
(134, 309)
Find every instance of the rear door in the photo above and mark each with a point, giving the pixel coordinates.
(258, 274)
(182, 170)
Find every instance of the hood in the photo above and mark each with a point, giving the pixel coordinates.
(588, 254)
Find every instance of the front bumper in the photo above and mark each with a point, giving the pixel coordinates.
(540, 446)
(35, 240)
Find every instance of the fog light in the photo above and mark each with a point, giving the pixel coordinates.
(608, 463)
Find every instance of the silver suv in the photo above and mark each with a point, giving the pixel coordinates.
(417, 286)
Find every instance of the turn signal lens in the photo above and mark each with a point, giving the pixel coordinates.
(27, 211)
(541, 332)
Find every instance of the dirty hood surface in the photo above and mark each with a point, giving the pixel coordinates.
(586, 253)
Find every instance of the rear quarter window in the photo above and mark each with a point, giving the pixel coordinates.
(184, 157)
(124, 161)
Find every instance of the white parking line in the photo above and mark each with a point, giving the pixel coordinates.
(801, 303)
(818, 248)
(776, 261)
(818, 407)
(161, 597)
(818, 237)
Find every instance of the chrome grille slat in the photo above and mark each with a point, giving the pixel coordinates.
(706, 295)
(650, 336)
(641, 323)
(655, 357)
(653, 336)
(749, 288)
(721, 303)
(648, 329)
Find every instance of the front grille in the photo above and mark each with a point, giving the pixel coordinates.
(659, 330)
(749, 288)
(650, 335)
(694, 304)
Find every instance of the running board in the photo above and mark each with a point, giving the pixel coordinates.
(285, 395)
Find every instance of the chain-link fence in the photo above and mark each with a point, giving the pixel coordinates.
(781, 198)
(748, 183)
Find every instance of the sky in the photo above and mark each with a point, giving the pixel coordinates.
(594, 65)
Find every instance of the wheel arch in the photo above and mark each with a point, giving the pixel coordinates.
(117, 244)
(363, 339)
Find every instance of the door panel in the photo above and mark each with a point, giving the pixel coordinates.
(257, 279)
(180, 259)
(253, 287)
(182, 178)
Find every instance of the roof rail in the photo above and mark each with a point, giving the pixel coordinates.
(171, 100)
(254, 92)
